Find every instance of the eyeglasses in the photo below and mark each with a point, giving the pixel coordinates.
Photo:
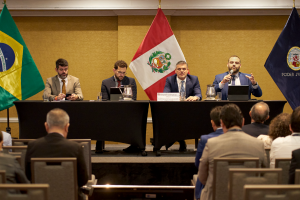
(124, 73)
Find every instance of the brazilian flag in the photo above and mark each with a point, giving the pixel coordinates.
(19, 76)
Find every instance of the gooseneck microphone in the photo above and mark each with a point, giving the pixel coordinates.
(230, 72)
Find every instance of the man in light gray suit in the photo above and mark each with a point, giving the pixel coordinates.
(59, 86)
(234, 143)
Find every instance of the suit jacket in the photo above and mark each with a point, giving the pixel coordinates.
(203, 140)
(13, 171)
(55, 145)
(244, 81)
(192, 87)
(256, 129)
(233, 144)
(110, 82)
(52, 87)
(295, 164)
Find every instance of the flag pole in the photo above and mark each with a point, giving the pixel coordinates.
(8, 130)
(160, 3)
(293, 3)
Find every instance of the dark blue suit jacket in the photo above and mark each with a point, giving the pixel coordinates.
(203, 140)
(244, 81)
(192, 87)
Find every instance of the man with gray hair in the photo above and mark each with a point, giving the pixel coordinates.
(55, 144)
(259, 113)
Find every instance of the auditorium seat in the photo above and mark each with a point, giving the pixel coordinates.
(29, 191)
(238, 177)
(59, 173)
(267, 150)
(284, 164)
(297, 176)
(17, 150)
(268, 192)
(220, 176)
(2, 176)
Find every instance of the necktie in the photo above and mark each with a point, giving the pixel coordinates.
(182, 88)
(233, 80)
(119, 83)
(63, 89)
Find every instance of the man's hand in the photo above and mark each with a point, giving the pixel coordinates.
(61, 96)
(226, 78)
(72, 97)
(251, 78)
(192, 98)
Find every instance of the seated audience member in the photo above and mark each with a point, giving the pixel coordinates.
(295, 164)
(13, 171)
(55, 144)
(279, 127)
(234, 143)
(215, 123)
(6, 139)
(259, 113)
(282, 147)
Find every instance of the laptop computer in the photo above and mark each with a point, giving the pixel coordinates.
(238, 92)
(115, 93)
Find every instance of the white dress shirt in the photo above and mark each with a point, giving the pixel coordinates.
(6, 139)
(282, 147)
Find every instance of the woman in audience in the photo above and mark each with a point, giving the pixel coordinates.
(279, 127)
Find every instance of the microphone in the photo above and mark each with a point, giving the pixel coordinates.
(230, 72)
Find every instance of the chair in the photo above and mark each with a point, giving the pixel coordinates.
(2, 176)
(21, 142)
(59, 173)
(284, 164)
(268, 192)
(220, 177)
(240, 177)
(297, 176)
(267, 150)
(17, 150)
(29, 191)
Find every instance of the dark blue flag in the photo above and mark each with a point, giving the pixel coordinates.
(283, 63)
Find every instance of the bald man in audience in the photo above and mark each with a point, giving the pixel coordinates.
(13, 171)
(233, 143)
(55, 144)
(259, 113)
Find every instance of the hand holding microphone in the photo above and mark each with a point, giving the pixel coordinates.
(230, 73)
(228, 77)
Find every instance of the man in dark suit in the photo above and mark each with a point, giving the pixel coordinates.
(13, 171)
(55, 144)
(235, 77)
(58, 86)
(216, 125)
(295, 164)
(184, 83)
(118, 79)
(259, 113)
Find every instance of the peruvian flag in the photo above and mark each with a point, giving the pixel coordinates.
(156, 57)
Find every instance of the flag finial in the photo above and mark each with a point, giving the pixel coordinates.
(293, 3)
(159, 6)
(4, 1)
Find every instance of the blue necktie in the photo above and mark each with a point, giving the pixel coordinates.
(182, 87)
(233, 80)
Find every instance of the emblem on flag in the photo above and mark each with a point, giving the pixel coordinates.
(293, 58)
(159, 61)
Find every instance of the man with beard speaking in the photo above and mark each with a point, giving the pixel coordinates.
(235, 77)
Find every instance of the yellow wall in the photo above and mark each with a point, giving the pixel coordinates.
(92, 45)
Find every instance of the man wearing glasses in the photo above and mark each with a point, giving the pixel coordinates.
(117, 80)
(235, 77)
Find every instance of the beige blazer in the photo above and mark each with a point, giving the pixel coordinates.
(52, 87)
(233, 144)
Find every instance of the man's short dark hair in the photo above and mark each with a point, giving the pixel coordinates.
(231, 115)
(257, 116)
(182, 62)
(121, 64)
(61, 62)
(295, 120)
(236, 57)
(215, 115)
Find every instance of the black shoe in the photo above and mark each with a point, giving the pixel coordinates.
(99, 151)
(132, 149)
(182, 149)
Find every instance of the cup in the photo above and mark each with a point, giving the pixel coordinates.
(46, 99)
(219, 96)
(99, 97)
(182, 96)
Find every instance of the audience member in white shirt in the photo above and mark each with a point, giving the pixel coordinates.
(6, 139)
